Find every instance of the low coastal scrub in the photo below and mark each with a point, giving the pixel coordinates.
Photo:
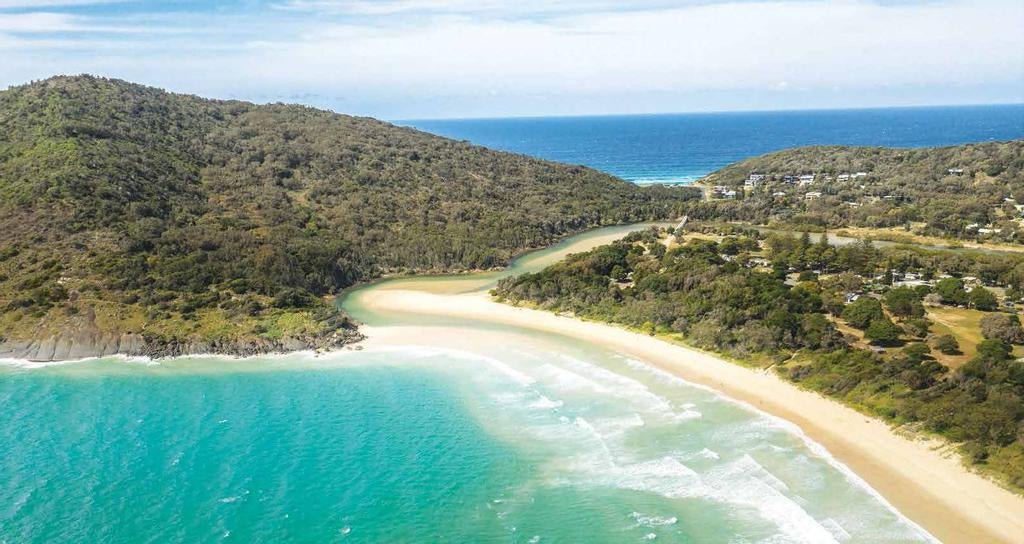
(698, 293)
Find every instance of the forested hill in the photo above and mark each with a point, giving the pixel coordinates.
(969, 192)
(175, 218)
(993, 161)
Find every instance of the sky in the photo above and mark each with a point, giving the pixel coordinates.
(418, 59)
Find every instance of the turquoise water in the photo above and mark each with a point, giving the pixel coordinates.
(459, 432)
(684, 147)
(305, 456)
(537, 440)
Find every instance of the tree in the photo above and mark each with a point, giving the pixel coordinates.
(882, 331)
(952, 291)
(819, 332)
(917, 326)
(947, 344)
(861, 312)
(983, 299)
(807, 275)
(991, 353)
(904, 302)
(1002, 327)
(916, 351)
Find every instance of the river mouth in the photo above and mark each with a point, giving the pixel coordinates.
(439, 427)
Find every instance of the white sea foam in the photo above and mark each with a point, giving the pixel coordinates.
(608, 427)
(643, 520)
(708, 454)
(746, 483)
(836, 529)
(544, 403)
(564, 380)
(793, 429)
(618, 385)
(425, 352)
(30, 365)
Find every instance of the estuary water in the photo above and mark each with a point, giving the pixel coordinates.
(435, 432)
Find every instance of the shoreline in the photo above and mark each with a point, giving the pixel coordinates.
(922, 478)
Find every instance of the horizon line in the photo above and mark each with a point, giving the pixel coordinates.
(702, 112)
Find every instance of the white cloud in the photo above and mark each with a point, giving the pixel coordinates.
(748, 45)
(495, 8)
(37, 4)
(734, 54)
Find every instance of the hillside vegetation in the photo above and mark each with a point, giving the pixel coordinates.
(967, 192)
(129, 209)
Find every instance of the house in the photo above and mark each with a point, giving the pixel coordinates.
(812, 194)
(912, 283)
(860, 174)
(843, 177)
(852, 297)
(754, 180)
(955, 171)
(779, 193)
(806, 179)
(722, 191)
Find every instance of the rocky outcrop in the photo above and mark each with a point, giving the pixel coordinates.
(85, 339)
(72, 345)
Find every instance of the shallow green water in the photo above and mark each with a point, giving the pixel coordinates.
(498, 436)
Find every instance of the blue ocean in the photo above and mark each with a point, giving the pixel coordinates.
(684, 147)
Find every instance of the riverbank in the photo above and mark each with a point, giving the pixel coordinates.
(921, 478)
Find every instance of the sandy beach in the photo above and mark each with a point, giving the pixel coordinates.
(921, 478)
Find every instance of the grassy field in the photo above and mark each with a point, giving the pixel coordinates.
(965, 325)
(903, 237)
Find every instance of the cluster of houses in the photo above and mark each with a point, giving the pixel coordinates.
(913, 279)
(983, 230)
(757, 179)
(847, 177)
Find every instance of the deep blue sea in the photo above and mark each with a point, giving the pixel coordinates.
(684, 147)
